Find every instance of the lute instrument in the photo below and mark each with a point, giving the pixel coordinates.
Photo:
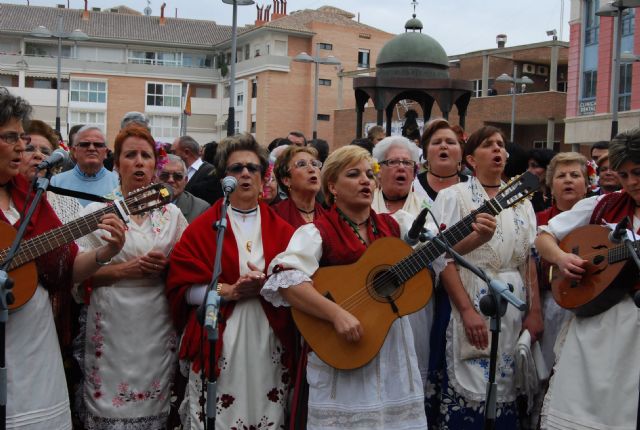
(389, 280)
(23, 269)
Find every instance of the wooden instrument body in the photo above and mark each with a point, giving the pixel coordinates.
(604, 282)
(25, 277)
(352, 287)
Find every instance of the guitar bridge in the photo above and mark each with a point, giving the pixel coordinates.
(393, 305)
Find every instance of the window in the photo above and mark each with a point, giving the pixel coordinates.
(240, 100)
(589, 81)
(325, 46)
(628, 21)
(167, 95)
(624, 99)
(156, 58)
(591, 22)
(197, 60)
(254, 89)
(165, 127)
(325, 82)
(253, 126)
(226, 92)
(205, 92)
(281, 47)
(363, 58)
(88, 91)
(477, 88)
(96, 119)
(46, 50)
(324, 117)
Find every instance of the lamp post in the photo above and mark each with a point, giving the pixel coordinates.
(303, 57)
(616, 10)
(524, 81)
(75, 35)
(231, 118)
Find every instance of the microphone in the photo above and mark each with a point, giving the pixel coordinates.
(620, 232)
(413, 235)
(229, 184)
(58, 157)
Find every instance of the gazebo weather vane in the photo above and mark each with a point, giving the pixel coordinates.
(414, 3)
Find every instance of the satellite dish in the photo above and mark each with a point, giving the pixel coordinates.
(147, 11)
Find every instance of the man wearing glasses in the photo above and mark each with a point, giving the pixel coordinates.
(174, 173)
(89, 174)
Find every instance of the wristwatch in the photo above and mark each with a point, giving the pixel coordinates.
(102, 263)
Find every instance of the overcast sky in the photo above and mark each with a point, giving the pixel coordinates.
(459, 25)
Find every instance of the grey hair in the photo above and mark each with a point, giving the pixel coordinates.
(13, 107)
(382, 148)
(135, 117)
(188, 142)
(83, 130)
(173, 157)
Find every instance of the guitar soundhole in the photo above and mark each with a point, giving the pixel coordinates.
(384, 284)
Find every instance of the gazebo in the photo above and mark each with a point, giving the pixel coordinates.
(411, 66)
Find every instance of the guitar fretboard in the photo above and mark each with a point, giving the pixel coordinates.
(621, 252)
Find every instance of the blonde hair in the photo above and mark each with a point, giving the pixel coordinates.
(337, 161)
(567, 158)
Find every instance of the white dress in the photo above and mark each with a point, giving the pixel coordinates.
(503, 257)
(597, 371)
(37, 397)
(384, 394)
(128, 343)
(253, 385)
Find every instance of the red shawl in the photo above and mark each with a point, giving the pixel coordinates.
(614, 207)
(543, 217)
(191, 262)
(55, 269)
(340, 245)
(290, 213)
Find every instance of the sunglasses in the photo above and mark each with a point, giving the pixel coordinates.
(97, 145)
(11, 137)
(237, 168)
(177, 176)
(301, 164)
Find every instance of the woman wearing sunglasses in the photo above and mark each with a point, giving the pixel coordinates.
(297, 171)
(255, 343)
(387, 392)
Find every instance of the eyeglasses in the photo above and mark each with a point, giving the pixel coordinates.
(301, 164)
(396, 162)
(11, 137)
(32, 148)
(237, 168)
(177, 176)
(97, 145)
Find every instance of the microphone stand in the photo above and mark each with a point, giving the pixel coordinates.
(209, 315)
(493, 305)
(6, 285)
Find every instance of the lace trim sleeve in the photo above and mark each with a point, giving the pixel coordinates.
(282, 279)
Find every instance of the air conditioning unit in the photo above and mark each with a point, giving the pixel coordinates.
(528, 68)
(542, 70)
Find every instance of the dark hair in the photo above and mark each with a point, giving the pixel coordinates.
(133, 130)
(72, 133)
(13, 107)
(209, 152)
(240, 142)
(322, 146)
(41, 128)
(278, 141)
(518, 160)
(430, 130)
(479, 136)
(281, 166)
(602, 144)
(542, 156)
(298, 134)
(625, 147)
(363, 143)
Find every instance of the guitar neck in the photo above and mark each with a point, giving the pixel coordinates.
(621, 252)
(422, 257)
(46, 242)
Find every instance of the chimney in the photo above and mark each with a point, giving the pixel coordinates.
(163, 20)
(260, 19)
(284, 4)
(501, 39)
(278, 9)
(85, 12)
(267, 17)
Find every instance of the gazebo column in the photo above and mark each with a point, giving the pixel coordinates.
(380, 117)
(358, 123)
(389, 118)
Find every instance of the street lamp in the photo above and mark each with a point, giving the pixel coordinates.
(231, 118)
(330, 60)
(616, 10)
(524, 81)
(75, 35)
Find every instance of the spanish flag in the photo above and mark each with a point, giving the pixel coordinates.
(187, 104)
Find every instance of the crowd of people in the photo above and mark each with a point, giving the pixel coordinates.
(111, 337)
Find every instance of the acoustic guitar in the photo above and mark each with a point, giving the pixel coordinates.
(389, 280)
(23, 269)
(607, 276)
